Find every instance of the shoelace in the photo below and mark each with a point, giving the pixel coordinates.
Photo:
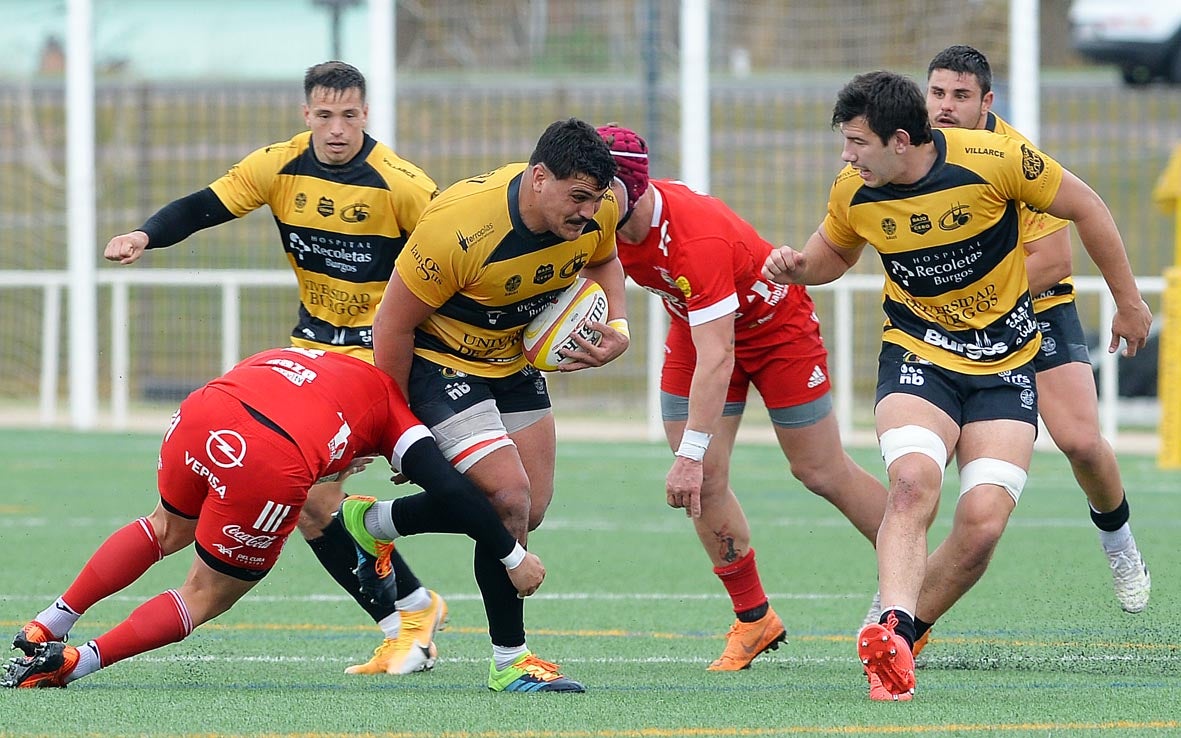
(891, 621)
(383, 567)
(1125, 567)
(540, 668)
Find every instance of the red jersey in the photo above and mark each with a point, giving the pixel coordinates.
(705, 262)
(334, 406)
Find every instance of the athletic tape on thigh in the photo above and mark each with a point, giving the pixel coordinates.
(913, 439)
(993, 471)
(471, 434)
(514, 422)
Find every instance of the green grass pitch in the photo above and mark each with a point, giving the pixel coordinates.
(630, 607)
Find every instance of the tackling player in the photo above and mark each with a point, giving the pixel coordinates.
(344, 204)
(234, 470)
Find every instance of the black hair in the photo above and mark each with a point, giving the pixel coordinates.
(572, 146)
(888, 101)
(963, 59)
(333, 75)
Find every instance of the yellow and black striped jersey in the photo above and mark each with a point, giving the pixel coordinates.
(1034, 225)
(474, 260)
(341, 226)
(956, 290)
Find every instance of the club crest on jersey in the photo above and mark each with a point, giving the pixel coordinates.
(889, 227)
(358, 212)
(920, 223)
(1031, 163)
(954, 218)
(684, 286)
(301, 201)
(512, 284)
(574, 266)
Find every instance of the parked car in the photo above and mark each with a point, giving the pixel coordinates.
(1142, 37)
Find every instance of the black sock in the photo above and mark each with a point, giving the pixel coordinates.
(404, 577)
(1114, 520)
(505, 611)
(334, 548)
(749, 616)
(920, 628)
(421, 513)
(905, 626)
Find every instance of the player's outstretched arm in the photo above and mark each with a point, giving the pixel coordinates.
(126, 248)
(1076, 201)
(820, 262)
(171, 224)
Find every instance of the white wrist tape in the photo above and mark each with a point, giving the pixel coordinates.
(693, 444)
(515, 557)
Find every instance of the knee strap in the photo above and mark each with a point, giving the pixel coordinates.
(993, 471)
(913, 439)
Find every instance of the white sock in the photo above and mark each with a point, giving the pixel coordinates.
(58, 617)
(88, 662)
(391, 624)
(378, 521)
(1117, 540)
(504, 656)
(419, 599)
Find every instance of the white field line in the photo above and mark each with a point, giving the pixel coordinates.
(475, 597)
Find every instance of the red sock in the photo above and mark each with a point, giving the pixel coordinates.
(122, 559)
(161, 620)
(741, 580)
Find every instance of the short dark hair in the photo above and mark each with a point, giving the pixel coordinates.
(963, 59)
(333, 75)
(888, 101)
(572, 146)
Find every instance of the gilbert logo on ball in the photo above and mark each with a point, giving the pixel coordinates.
(552, 330)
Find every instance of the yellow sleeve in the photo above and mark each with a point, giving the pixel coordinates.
(1036, 181)
(245, 186)
(837, 225)
(411, 190)
(430, 264)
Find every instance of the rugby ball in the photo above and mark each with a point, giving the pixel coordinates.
(552, 329)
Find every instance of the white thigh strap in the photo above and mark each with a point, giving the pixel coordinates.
(913, 439)
(993, 471)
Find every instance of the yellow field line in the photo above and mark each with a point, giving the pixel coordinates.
(616, 633)
(619, 633)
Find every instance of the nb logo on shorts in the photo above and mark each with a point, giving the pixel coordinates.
(912, 375)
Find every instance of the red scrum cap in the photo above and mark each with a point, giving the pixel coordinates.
(631, 158)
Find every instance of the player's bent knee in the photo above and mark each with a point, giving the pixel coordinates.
(1004, 474)
(173, 533)
(913, 439)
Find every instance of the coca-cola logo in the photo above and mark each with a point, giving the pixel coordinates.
(236, 533)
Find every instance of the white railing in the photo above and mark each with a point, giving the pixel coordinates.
(231, 282)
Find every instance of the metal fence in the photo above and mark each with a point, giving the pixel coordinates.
(475, 90)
